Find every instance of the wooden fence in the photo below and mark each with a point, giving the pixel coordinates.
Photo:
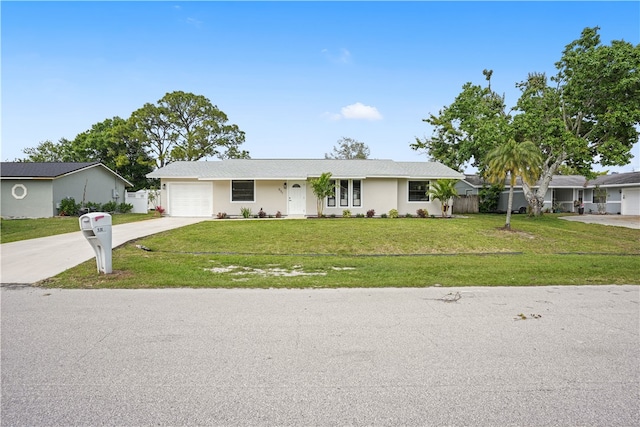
(465, 204)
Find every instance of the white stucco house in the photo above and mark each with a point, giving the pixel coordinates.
(206, 188)
(34, 190)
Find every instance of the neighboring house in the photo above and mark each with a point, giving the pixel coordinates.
(617, 193)
(34, 190)
(282, 185)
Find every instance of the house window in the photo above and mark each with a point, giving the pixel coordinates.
(599, 195)
(331, 200)
(356, 186)
(344, 192)
(242, 191)
(418, 191)
(348, 191)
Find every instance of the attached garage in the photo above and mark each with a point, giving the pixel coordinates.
(630, 201)
(190, 199)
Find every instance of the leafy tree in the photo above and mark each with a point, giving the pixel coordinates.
(48, 151)
(322, 187)
(348, 148)
(465, 131)
(113, 142)
(514, 159)
(589, 116)
(184, 126)
(489, 196)
(445, 191)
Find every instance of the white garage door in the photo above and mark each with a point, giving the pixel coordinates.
(192, 199)
(631, 201)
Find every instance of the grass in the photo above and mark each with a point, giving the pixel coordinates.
(13, 230)
(372, 253)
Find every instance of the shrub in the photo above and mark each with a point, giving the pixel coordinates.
(346, 213)
(125, 207)
(278, 214)
(393, 213)
(68, 207)
(360, 215)
(246, 212)
(262, 214)
(109, 207)
(221, 215)
(371, 213)
(160, 210)
(422, 213)
(408, 215)
(332, 216)
(384, 215)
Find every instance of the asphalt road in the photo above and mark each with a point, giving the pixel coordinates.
(396, 357)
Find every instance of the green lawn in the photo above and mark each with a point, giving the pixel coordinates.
(372, 253)
(13, 230)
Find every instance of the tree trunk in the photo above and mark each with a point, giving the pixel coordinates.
(535, 197)
(509, 206)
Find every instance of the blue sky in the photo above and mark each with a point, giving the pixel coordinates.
(295, 76)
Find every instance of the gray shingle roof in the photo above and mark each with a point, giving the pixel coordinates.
(48, 170)
(573, 181)
(303, 169)
(40, 170)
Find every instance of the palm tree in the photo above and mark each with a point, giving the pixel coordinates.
(444, 190)
(514, 159)
(323, 187)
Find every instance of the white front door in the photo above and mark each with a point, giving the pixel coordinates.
(297, 196)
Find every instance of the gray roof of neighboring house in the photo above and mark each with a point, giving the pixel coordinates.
(47, 170)
(572, 181)
(303, 169)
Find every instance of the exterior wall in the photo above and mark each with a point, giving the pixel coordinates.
(406, 207)
(271, 196)
(37, 203)
(377, 194)
(99, 182)
(465, 189)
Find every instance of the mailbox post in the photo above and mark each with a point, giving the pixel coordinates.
(96, 228)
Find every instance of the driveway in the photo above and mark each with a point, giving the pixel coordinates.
(530, 356)
(30, 261)
(629, 221)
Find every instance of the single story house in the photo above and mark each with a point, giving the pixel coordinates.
(204, 189)
(34, 190)
(616, 193)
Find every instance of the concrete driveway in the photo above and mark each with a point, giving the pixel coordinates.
(534, 356)
(30, 261)
(629, 221)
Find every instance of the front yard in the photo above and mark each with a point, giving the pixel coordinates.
(362, 252)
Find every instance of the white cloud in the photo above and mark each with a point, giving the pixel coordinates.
(341, 57)
(359, 111)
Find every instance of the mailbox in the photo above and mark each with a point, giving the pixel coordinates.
(96, 228)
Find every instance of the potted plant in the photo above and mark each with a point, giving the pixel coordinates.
(578, 204)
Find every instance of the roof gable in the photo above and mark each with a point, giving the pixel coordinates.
(48, 170)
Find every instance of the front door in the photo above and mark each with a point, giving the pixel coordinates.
(296, 192)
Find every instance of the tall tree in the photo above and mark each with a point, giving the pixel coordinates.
(49, 151)
(445, 191)
(514, 160)
(590, 115)
(184, 126)
(465, 131)
(348, 148)
(113, 142)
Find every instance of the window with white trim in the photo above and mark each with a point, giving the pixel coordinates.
(242, 191)
(418, 191)
(348, 192)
